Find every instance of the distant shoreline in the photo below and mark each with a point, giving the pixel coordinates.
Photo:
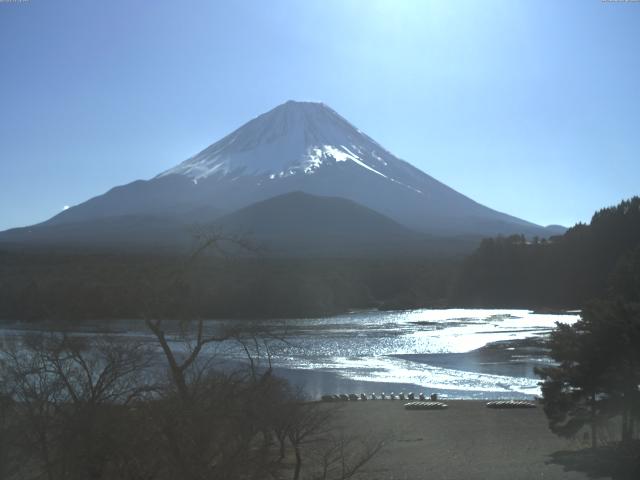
(26, 324)
(495, 354)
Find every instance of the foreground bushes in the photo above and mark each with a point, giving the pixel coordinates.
(105, 408)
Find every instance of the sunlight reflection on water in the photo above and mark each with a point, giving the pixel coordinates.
(430, 349)
(376, 346)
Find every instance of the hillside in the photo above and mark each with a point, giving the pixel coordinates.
(565, 271)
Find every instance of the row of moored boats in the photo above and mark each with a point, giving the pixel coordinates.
(420, 401)
(353, 397)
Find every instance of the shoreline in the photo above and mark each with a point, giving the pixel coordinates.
(509, 358)
(465, 441)
(514, 358)
(31, 323)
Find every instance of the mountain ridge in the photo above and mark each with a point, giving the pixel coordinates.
(298, 147)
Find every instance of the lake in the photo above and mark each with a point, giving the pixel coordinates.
(456, 353)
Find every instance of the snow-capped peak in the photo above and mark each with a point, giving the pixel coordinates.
(293, 138)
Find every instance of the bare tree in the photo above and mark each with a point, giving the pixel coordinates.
(65, 389)
(342, 457)
(209, 242)
(92, 408)
(8, 465)
(179, 368)
(306, 422)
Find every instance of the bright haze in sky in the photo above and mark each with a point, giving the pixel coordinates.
(530, 108)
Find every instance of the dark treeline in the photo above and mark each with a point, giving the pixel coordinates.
(47, 285)
(562, 272)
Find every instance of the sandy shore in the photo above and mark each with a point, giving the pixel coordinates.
(466, 441)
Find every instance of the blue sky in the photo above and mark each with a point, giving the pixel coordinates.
(531, 108)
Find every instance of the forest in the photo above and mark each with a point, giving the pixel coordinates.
(510, 272)
(39, 286)
(586, 262)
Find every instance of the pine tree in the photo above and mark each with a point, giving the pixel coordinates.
(597, 375)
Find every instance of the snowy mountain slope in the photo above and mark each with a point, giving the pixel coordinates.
(305, 147)
(294, 138)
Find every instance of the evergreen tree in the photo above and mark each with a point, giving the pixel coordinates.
(597, 375)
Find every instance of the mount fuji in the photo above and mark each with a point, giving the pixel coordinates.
(298, 147)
